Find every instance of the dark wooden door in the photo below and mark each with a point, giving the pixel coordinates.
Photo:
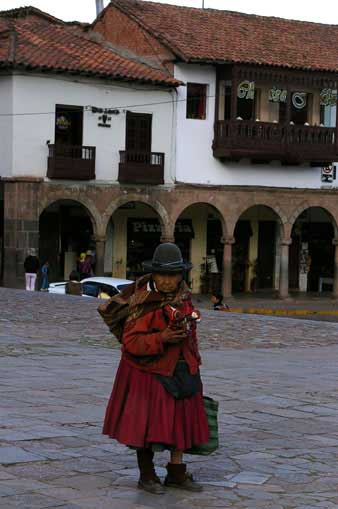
(138, 132)
(266, 253)
(68, 125)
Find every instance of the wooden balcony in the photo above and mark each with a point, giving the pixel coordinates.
(141, 168)
(71, 162)
(236, 139)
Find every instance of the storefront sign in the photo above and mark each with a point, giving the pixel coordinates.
(299, 100)
(246, 90)
(328, 97)
(145, 226)
(137, 227)
(277, 95)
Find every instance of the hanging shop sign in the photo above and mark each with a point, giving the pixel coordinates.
(144, 226)
(328, 97)
(246, 90)
(328, 174)
(277, 95)
(104, 120)
(62, 122)
(299, 100)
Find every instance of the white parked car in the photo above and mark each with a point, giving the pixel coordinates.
(92, 286)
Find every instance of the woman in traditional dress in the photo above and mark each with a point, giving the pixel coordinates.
(156, 402)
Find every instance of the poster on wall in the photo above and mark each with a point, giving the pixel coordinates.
(328, 174)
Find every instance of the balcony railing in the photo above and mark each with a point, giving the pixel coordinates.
(71, 162)
(141, 167)
(263, 140)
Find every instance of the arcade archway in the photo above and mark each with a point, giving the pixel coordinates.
(311, 255)
(256, 251)
(133, 233)
(199, 234)
(65, 231)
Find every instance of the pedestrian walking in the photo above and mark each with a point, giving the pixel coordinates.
(156, 402)
(45, 278)
(31, 266)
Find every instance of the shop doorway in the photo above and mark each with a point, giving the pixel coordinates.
(311, 260)
(133, 234)
(255, 253)
(199, 234)
(66, 232)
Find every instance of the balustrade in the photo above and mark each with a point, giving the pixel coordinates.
(265, 140)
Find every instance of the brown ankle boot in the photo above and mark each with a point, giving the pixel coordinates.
(178, 477)
(148, 480)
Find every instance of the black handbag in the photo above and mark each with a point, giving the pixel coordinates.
(182, 384)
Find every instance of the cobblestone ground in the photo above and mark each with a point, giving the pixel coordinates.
(275, 379)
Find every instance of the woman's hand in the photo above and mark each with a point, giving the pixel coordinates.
(173, 335)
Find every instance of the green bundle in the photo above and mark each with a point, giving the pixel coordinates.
(211, 410)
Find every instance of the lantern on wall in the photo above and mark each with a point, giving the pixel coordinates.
(277, 95)
(246, 90)
(299, 100)
(63, 122)
(328, 97)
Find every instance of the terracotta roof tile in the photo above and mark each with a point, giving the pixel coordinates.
(210, 35)
(32, 39)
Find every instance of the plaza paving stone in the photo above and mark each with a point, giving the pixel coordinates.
(275, 379)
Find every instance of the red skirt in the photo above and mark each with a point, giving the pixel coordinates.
(141, 412)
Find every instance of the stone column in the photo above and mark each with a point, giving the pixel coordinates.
(284, 269)
(167, 232)
(335, 270)
(227, 267)
(99, 247)
(167, 238)
(21, 226)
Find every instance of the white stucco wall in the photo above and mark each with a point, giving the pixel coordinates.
(195, 162)
(40, 94)
(6, 125)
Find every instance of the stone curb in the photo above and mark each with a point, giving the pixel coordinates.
(282, 312)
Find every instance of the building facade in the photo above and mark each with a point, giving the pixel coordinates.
(211, 142)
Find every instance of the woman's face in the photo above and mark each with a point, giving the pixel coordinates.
(167, 282)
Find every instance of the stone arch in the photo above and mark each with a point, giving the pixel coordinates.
(277, 210)
(67, 225)
(185, 205)
(200, 231)
(312, 252)
(87, 204)
(256, 235)
(154, 204)
(305, 206)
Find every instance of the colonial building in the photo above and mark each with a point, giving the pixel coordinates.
(79, 122)
(255, 139)
(211, 128)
